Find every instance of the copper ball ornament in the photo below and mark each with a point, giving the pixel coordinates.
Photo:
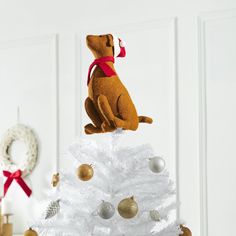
(186, 231)
(128, 208)
(85, 172)
(30, 232)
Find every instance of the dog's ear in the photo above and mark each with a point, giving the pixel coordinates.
(110, 43)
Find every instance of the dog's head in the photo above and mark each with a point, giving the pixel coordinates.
(105, 45)
(101, 45)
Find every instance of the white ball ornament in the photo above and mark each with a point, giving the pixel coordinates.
(122, 44)
(106, 210)
(157, 164)
(155, 215)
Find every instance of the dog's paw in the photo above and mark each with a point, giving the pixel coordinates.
(88, 128)
(91, 129)
(106, 127)
(118, 123)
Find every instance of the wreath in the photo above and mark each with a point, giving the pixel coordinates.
(26, 135)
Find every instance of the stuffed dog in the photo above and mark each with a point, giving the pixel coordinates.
(108, 104)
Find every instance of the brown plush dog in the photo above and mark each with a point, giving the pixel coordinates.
(108, 105)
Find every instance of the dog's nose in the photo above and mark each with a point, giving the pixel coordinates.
(88, 38)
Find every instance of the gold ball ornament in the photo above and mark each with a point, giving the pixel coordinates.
(186, 231)
(30, 232)
(128, 208)
(85, 172)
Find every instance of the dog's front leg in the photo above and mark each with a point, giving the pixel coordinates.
(94, 116)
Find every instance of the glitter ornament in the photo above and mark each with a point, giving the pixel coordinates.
(55, 180)
(155, 215)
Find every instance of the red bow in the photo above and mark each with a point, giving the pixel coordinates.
(101, 62)
(17, 177)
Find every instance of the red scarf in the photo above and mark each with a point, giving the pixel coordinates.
(101, 62)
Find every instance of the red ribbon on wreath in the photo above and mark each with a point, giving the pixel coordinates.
(17, 177)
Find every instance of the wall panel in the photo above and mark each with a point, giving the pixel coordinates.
(29, 70)
(217, 126)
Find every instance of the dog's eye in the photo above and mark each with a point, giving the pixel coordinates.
(100, 35)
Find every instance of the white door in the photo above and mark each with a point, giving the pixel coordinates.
(180, 69)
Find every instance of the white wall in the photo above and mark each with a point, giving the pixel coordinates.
(190, 48)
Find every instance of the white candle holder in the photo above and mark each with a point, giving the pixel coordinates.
(6, 228)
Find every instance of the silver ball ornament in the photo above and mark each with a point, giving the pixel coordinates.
(157, 164)
(155, 215)
(106, 210)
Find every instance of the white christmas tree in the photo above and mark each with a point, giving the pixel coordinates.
(117, 191)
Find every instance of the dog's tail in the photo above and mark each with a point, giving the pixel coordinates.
(145, 119)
